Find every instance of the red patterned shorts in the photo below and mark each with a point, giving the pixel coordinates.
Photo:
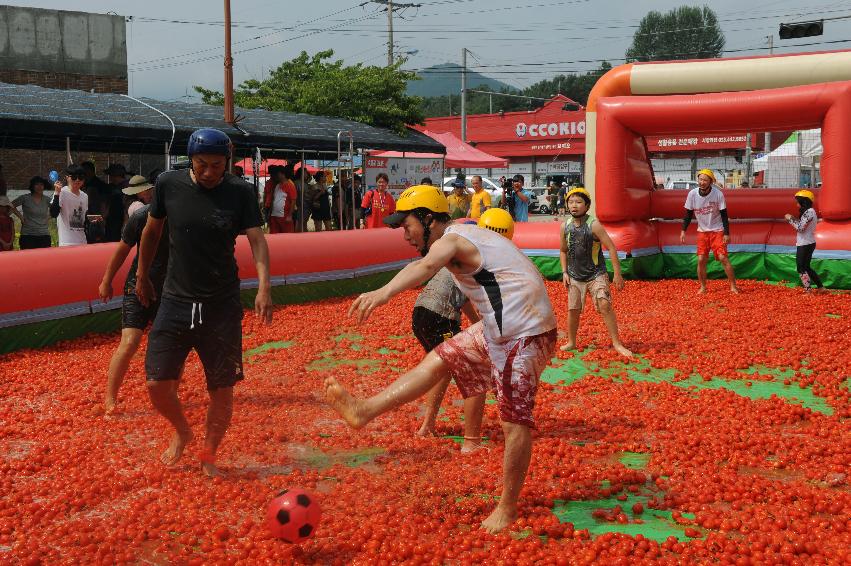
(511, 369)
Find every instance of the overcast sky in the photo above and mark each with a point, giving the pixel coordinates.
(173, 45)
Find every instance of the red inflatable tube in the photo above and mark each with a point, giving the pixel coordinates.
(741, 203)
(41, 278)
(633, 236)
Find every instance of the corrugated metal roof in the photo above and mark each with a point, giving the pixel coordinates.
(35, 117)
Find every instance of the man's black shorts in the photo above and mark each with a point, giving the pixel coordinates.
(214, 330)
(431, 328)
(134, 314)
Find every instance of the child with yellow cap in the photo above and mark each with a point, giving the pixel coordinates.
(805, 241)
(584, 268)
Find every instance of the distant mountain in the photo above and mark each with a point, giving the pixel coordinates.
(443, 79)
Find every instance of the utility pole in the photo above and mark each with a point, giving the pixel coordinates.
(389, 33)
(391, 6)
(464, 94)
(229, 118)
(770, 39)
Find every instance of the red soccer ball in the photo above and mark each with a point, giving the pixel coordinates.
(293, 515)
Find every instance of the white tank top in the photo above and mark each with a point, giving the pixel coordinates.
(507, 289)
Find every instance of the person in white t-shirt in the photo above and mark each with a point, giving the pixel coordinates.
(505, 351)
(69, 206)
(713, 227)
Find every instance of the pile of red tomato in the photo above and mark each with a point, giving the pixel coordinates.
(749, 481)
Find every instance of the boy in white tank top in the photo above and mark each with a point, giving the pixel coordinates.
(506, 351)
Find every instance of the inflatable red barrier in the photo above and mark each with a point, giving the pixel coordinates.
(623, 180)
(741, 203)
(60, 276)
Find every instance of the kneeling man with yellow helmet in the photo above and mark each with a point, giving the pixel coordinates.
(505, 351)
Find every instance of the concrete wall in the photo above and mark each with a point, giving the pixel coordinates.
(62, 42)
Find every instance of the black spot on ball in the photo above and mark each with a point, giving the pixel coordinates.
(303, 500)
(283, 516)
(305, 530)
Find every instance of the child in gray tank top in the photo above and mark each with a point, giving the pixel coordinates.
(584, 268)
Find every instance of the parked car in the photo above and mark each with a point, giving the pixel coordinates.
(681, 185)
(540, 203)
(493, 189)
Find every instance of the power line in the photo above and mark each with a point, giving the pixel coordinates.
(181, 63)
(279, 30)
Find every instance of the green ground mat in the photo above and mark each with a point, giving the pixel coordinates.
(655, 524)
(572, 369)
(835, 273)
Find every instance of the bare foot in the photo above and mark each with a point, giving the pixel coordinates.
(109, 408)
(499, 519)
(210, 470)
(172, 454)
(568, 347)
(701, 291)
(621, 349)
(735, 290)
(471, 445)
(427, 429)
(341, 401)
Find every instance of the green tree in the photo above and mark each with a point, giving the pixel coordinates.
(316, 85)
(687, 32)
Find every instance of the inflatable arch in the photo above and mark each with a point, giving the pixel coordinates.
(718, 97)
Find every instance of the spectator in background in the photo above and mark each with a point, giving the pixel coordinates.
(238, 171)
(744, 185)
(459, 201)
(7, 224)
(138, 187)
(522, 199)
(35, 231)
(117, 178)
(278, 202)
(480, 200)
(321, 204)
(268, 186)
(427, 181)
(561, 203)
(69, 206)
(98, 192)
(378, 203)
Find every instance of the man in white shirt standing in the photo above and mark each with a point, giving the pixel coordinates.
(707, 203)
(69, 206)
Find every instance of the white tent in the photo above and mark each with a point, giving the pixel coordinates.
(783, 165)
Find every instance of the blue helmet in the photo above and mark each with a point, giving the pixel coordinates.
(208, 140)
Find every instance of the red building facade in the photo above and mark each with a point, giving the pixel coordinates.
(550, 142)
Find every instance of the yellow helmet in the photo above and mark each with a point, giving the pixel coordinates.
(498, 220)
(418, 196)
(708, 173)
(806, 194)
(577, 191)
(422, 196)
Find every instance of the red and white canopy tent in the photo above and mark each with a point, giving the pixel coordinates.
(458, 154)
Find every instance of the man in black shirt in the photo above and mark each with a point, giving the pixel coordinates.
(135, 317)
(200, 307)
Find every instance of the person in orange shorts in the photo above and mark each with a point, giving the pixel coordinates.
(713, 227)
